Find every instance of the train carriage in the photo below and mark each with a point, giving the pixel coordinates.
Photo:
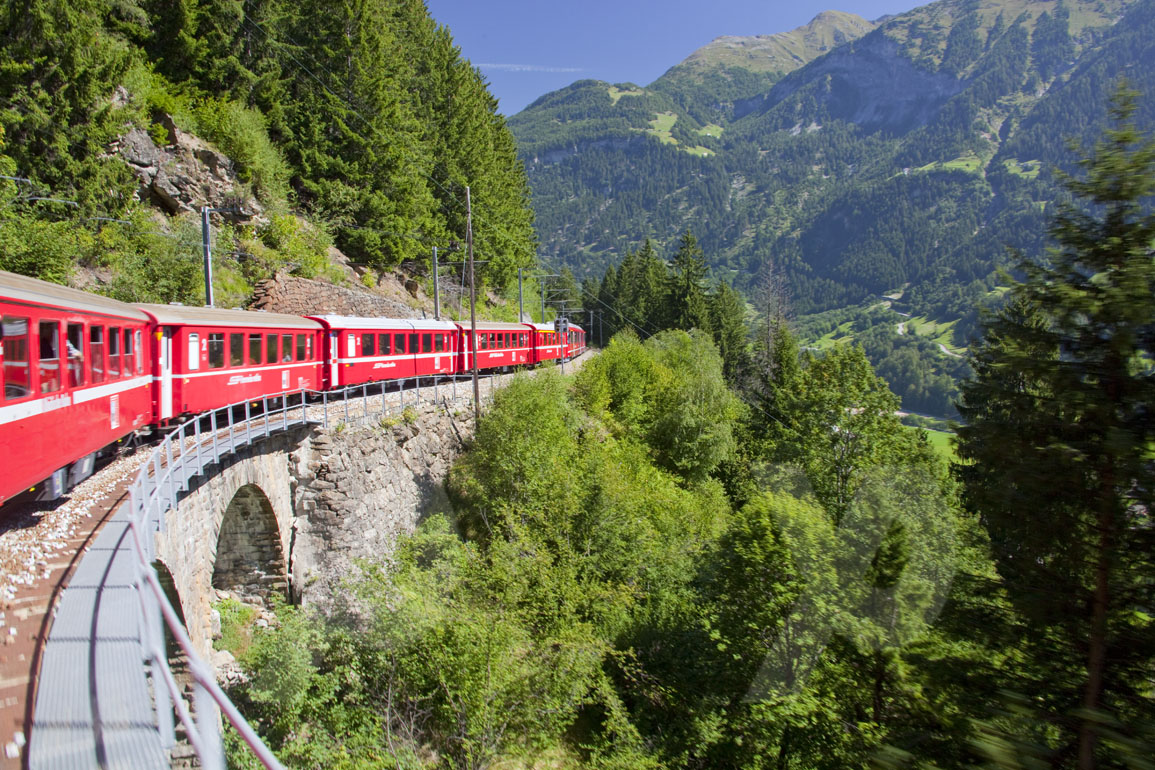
(546, 342)
(359, 350)
(575, 341)
(498, 345)
(207, 357)
(76, 379)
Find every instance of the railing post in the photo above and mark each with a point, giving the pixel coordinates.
(216, 447)
(325, 402)
(197, 441)
(248, 424)
(171, 486)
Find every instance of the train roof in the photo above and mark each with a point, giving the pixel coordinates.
(493, 326)
(354, 322)
(182, 315)
(27, 290)
(550, 327)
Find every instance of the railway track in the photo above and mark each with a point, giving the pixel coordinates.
(41, 545)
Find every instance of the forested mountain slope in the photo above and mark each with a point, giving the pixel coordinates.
(911, 153)
(357, 124)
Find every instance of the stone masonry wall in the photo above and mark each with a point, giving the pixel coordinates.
(301, 296)
(188, 545)
(363, 488)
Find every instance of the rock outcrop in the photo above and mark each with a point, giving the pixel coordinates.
(184, 175)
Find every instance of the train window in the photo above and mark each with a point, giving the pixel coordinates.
(216, 351)
(412, 343)
(271, 349)
(286, 348)
(301, 356)
(351, 345)
(483, 339)
(15, 345)
(194, 351)
(74, 340)
(96, 353)
(426, 343)
(309, 347)
(49, 356)
(139, 353)
(438, 343)
(386, 343)
(113, 352)
(128, 353)
(400, 340)
(368, 344)
(255, 348)
(236, 350)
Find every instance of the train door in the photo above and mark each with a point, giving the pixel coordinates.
(166, 369)
(334, 354)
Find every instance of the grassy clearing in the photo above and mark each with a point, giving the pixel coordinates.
(840, 336)
(970, 163)
(941, 441)
(701, 152)
(940, 332)
(1027, 169)
(617, 93)
(661, 125)
(711, 129)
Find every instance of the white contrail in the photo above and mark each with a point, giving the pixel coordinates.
(527, 68)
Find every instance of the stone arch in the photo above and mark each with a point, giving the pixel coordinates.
(250, 561)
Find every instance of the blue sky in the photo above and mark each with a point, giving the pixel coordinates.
(527, 48)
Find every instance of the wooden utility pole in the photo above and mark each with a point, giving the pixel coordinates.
(472, 306)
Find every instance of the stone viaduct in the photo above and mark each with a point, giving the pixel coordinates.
(293, 513)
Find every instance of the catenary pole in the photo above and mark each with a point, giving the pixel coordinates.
(436, 288)
(472, 305)
(206, 237)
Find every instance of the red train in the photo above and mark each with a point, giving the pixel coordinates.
(81, 372)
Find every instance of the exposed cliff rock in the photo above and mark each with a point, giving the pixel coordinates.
(185, 174)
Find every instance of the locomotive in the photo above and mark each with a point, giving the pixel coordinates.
(82, 372)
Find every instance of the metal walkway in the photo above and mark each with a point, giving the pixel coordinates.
(107, 697)
(100, 703)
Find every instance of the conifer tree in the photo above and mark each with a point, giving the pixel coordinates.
(686, 304)
(728, 320)
(1058, 448)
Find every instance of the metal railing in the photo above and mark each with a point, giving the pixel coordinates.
(182, 456)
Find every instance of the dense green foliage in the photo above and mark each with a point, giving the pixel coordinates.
(646, 296)
(628, 580)
(362, 116)
(1058, 462)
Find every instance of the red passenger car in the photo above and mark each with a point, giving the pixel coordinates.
(547, 343)
(208, 358)
(359, 350)
(498, 345)
(575, 342)
(76, 380)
